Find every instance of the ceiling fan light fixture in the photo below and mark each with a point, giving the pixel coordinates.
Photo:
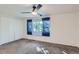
(34, 13)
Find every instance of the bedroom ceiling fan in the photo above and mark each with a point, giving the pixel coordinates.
(35, 9)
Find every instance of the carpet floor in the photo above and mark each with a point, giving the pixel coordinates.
(24, 46)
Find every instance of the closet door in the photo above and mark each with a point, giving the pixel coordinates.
(7, 30)
(18, 29)
(4, 31)
(11, 30)
(15, 29)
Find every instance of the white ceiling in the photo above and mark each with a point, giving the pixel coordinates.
(60, 8)
(14, 10)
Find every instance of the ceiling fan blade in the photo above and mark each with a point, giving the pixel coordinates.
(25, 12)
(34, 7)
(39, 14)
(39, 6)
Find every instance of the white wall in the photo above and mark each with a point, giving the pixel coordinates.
(10, 29)
(63, 30)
